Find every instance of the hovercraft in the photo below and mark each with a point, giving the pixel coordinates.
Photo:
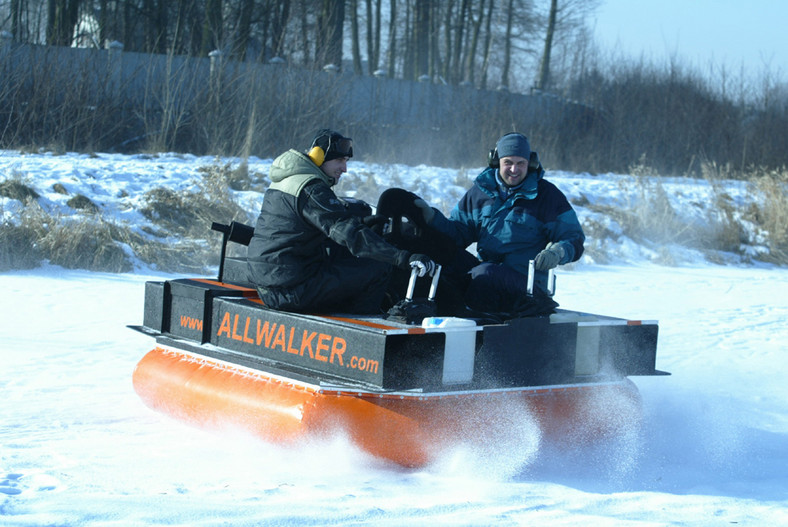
(404, 391)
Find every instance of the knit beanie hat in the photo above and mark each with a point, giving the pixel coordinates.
(334, 145)
(513, 144)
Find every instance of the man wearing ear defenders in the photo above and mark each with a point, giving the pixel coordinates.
(310, 252)
(514, 215)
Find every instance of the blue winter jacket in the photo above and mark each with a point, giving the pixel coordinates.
(513, 227)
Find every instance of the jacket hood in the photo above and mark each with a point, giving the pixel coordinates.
(294, 163)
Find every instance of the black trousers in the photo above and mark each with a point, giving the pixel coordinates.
(345, 284)
(497, 288)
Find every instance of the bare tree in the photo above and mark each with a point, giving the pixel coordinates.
(392, 54)
(373, 35)
(421, 38)
(330, 22)
(62, 18)
(565, 19)
(469, 69)
(244, 28)
(487, 46)
(355, 37)
(16, 17)
(544, 68)
(455, 74)
(281, 16)
(507, 53)
(212, 27)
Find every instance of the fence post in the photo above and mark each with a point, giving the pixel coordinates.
(114, 68)
(216, 64)
(6, 38)
(114, 48)
(216, 57)
(5, 53)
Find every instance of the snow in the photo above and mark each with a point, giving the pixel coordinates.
(78, 447)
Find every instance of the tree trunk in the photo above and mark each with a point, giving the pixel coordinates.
(487, 46)
(16, 19)
(281, 15)
(373, 35)
(61, 21)
(421, 38)
(544, 68)
(392, 55)
(444, 69)
(459, 42)
(357, 69)
(470, 58)
(244, 28)
(212, 28)
(507, 46)
(330, 23)
(305, 34)
(376, 40)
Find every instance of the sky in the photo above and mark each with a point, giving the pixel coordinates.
(701, 32)
(78, 446)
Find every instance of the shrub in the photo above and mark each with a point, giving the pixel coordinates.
(84, 243)
(772, 187)
(83, 203)
(15, 188)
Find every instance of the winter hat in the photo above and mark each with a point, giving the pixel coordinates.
(513, 144)
(333, 145)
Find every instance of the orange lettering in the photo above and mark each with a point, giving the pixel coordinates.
(263, 333)
(224, 327)
(290, 348)
(337, 349)
(191, 323)
(235, 334)
(306, 344)
(322, 346)
(279, 339)
(246, 332)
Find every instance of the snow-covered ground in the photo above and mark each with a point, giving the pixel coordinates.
(77, 446)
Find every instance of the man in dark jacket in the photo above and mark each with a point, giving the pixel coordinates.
(513, 215)
(310, 252)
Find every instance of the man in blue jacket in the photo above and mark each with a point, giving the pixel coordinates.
(513, 215)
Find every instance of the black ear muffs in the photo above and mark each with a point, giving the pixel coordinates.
(533, 161)
(317, 155)
(494, 162)
(492, 158)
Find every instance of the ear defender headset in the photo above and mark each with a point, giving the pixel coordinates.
(317, 155)
(336, 145)
(493, 161)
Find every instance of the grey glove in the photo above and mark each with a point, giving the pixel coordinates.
(549, 258)
(426, 210)
(423, 263)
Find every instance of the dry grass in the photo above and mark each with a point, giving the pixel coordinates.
(772, 215)
(179, 240)
(649, 218)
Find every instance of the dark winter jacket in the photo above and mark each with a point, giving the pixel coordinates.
(299, 218)
(513, 227)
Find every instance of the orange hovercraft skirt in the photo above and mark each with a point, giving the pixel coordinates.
(409, 429)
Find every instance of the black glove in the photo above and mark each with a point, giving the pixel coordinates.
(423, 263)
(375, 220)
